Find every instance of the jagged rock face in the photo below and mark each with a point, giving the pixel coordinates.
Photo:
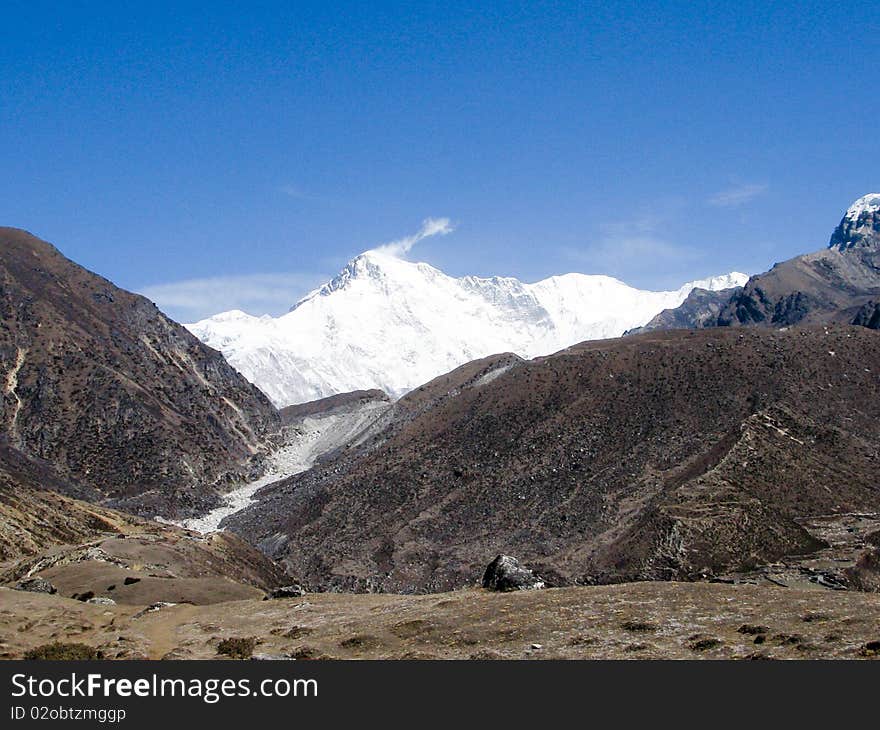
(292, 591)
(505, 573)
(827, 286)
(36, 585)
(700, 309)
(860, 226)
(122, 402)
(840, 283)
(663, 455)
(341, 402)
(868, 316)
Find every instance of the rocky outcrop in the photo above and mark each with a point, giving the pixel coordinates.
(839, 284)
(130, 561)
(868, 316)
(865, 575)
(36, 585)
(700, 309)
(291, 591)
(827, 286)
(116, 401)
(505, 573)
(860, 227)
(32, 518)
(340, 403)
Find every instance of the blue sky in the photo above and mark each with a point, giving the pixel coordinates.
(230, 155)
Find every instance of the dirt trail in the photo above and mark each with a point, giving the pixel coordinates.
(160, 628)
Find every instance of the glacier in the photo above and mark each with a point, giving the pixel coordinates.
(389, 323)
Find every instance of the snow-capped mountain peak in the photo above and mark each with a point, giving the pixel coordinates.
(860, 225)
(385, 322)
(869, 203)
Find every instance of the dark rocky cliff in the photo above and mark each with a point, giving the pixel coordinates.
(121, 403)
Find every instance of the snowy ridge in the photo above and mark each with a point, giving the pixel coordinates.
(384, 322)
(866, 204)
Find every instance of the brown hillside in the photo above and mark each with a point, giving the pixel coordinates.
(114, 395)
(664, 455)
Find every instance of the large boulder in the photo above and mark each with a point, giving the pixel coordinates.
(506, 573)
(36, 585)
(291, 591)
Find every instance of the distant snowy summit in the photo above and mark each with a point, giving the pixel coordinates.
(384, 322)
(860, 225)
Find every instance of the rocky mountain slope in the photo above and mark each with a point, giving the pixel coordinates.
(49, 542)
(312, 432)
(32, 520)
(840, 283)
(665, 455)
(391, 324)
(109, 398)
(342, 402)
(700, 309)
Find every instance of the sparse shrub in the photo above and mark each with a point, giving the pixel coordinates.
(486, 655)
(237, 647)
(753, 629)
(705, 644)
(361, 642)
(305, 653)
(638, 626)
(64, 651)
(788, 639)
(297, 632)
(815, 617)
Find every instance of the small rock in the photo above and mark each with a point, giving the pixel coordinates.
(101, 601)
(272, 658)
(157, 606)
(36, 585)
(291, 591)
(537, 647)
(505, 573)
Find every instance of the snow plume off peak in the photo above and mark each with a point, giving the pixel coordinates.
(430, 227)
(389, 323)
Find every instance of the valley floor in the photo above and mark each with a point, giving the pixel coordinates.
(628, 621)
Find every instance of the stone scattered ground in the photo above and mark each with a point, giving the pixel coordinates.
(627, 621)
(846, 537)
(146, 562)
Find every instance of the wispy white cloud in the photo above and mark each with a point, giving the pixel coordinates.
(430, 227)
(738, 195)
(192, 299)
(635, 251)
(295, 192)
